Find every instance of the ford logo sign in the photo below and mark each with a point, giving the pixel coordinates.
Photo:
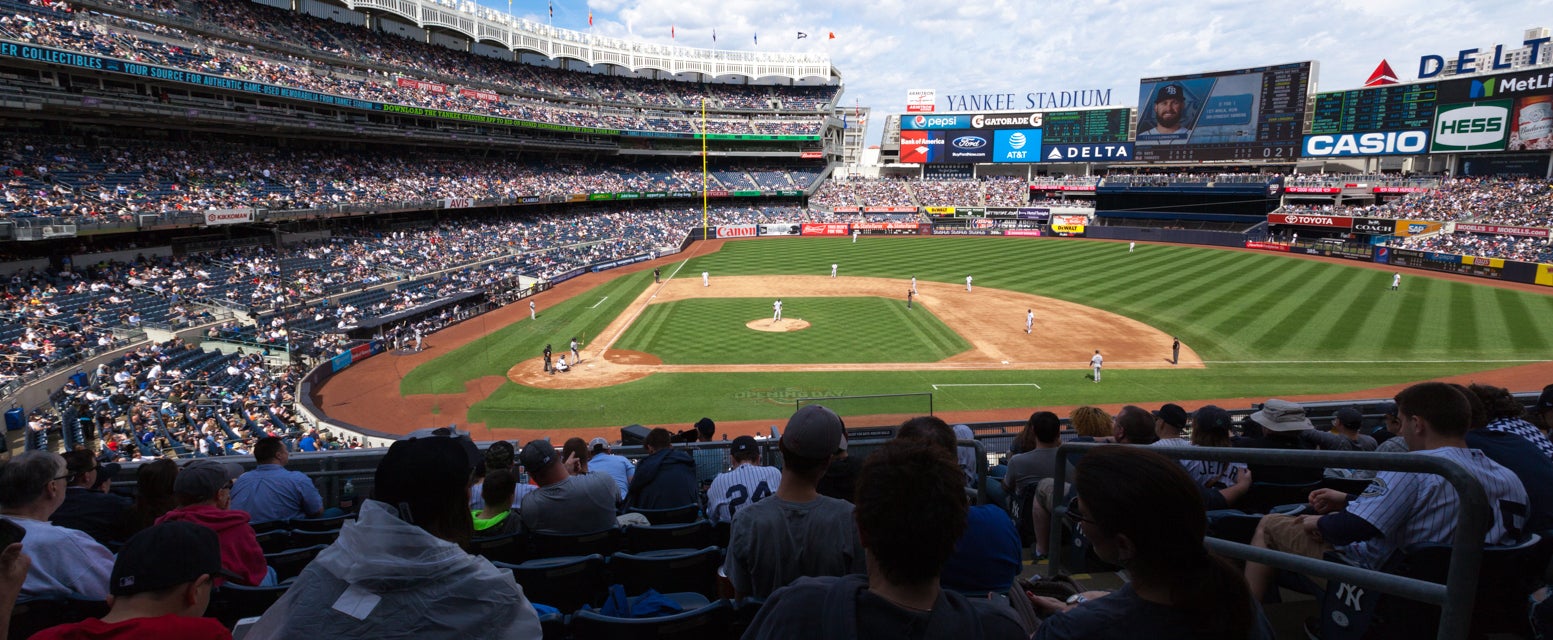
(969, 142)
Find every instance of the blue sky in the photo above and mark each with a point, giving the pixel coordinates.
(884, 47)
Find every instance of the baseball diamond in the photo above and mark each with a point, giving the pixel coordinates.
(1251, 325)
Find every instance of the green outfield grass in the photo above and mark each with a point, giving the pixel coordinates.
(712, 331)
(1266, 325)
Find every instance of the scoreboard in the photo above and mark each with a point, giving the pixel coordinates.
(1242, 114)
(1398, 107)
(1086, 126)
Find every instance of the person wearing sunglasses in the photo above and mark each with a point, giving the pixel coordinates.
(65, 563)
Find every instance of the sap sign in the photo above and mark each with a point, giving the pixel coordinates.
(1016, 145)
(1112, 152)
(1368, 144)
(1473, 126)
(921, 121)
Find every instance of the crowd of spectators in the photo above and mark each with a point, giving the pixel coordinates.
(1522, 248)
(1497, 201)
(903, 192)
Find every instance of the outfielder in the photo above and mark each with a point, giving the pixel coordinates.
(706, 279)
(777, 307)
(1396, 281)
(576, 357)
(833, 267)
(855, 234)
(1029, 320)
(967, 284)
(1131, 246)
(1094, 364)
(531, 314)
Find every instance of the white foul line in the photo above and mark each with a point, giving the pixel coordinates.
(1011, 384)
(601, 301)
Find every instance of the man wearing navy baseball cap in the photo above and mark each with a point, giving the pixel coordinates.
(1169, 112)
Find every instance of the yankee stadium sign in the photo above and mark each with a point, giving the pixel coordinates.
(1030, 100)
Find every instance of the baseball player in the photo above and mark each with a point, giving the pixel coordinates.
(656, 273)
(833, 268)
(1094, 364)
(777, 308)
(746, 483)
(706, 278)
(909, 295)
(548, 367)
(1131, 246)
(1029, 320)
(855, 234)
(1175, 351)
(417, 339)
(967, 284)
(913, 284)
(531, 314)
(1396, 281)
(560, 364)
(576, 357)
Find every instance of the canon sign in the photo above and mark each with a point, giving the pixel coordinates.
(1310, 221)
(1031, 120)
(1368, 144)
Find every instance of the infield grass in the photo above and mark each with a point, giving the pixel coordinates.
(1265, 324)
(713, 331)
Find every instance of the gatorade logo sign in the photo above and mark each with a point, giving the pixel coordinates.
(1473, 126)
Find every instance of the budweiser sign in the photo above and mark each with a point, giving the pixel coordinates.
(1304, 220)
(825, 229)
(1534, 232)
(432, 87)
(488, 96)
(811, 155)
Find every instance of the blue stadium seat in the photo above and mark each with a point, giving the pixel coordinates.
(711, 621)
(564, 583)
(693, 535)
(670, 571)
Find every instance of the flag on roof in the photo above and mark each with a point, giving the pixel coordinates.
(802, 35)
(833, 35)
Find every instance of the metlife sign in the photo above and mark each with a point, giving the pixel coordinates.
(1098, 152)
(1016, 145)
(1387, 143)
(1472, 126)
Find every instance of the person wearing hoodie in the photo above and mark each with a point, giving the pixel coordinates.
(666, 478)
(204, 493)
(400, 570)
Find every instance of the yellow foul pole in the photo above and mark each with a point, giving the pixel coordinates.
(703, 168)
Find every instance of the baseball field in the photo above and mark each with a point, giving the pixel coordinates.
(1252, 326)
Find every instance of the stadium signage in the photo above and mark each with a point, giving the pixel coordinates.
(969, 142)
(1062, 187)
(1087, 152)
(886, 226)
(227, 216)
(716, 193)
(921, 100)
(1377, 226)
(600, 196)
(1068, 229)
(1022, 232)
(429, 87)
(1312, 190)
(889, 209)
(528, 200)
(962, 231)
(824, 229)
(1431, 65)
(1472, 126)
(655, 195)
(737, 231)
(1031, 120)
(628, 195)
(1336, 222)
(747, 193)
(682, 194)
(1031, 100)
(1534, 232)
(780, 229)
(1267, 246)
(812, 155)
(1033, 213)
(488, 96)
(847, 209)
(920, 122)
(1368, 144)
(1400, 189)
(939, 211)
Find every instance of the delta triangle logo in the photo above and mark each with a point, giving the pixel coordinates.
(1381, 76)
(1056, 154)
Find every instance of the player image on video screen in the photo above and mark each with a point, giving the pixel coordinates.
(1170, 118)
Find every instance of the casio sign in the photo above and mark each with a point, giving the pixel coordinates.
(969, 142)
(1472, 127)
(1368, 144)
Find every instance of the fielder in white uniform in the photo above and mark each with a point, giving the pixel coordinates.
(1095, 362)
(576, 357)
(967, 284)
(777, 308)
(855, 234)
(531, 314)
(1131, 246)
(833, 267)
(745, 484)
(706, 279)
(913, 284)
(1396, 281)
(1029, 320)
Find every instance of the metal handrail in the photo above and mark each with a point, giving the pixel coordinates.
(1455, 597)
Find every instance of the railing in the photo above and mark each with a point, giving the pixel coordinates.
(1455, 597)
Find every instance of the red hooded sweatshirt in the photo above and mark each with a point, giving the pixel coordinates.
(240, 551)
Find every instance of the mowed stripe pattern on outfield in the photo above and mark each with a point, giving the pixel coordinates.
(842, 330)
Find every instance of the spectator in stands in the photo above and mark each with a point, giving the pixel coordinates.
(565, 503)
(1277, 426)
(618, 467)
(911, 509)
(576, 449)
(497, 517)
(94, 511)
(270, 492)
(1542, 412)
(65, 563)
(1223, 484)
(1516, 453)
(401, 570)
(1415, 507)
(161, 587)
(13, 574)
(1092, 423)
(1505, 414)
(988, 555)
(153, 494)
(666, 478)
(1027, 439)
(204, 492)
(1133, 425)
(744, 484)
(1344, 434)
(967, 454)
(840, 478)
(1031, 478)
(1141, 511)
(796, 532)
(1169, 425)
(501, 455)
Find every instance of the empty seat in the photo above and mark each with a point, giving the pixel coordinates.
(289, 564)
(552, 545)
(510, 549)
(671, 571)
(563, 583)
(673, 515)
(694, 535)
(233, 602)
(714, 620)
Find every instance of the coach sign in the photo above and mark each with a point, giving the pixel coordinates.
(227, 216)
(1305, 220)
(1377, 226)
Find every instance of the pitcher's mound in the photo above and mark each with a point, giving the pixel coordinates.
(779, 326)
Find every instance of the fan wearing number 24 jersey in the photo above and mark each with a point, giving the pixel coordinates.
(745, 484)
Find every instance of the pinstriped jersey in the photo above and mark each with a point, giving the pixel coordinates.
(1409, 508)
(738, 488)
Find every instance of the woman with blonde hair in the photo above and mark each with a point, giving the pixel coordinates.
(1091, 422)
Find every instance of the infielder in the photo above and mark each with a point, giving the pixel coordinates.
(577, 357)
(1131, 246)
(1094, 364)
(909, 294)
(913, 284)
(855, 234)
(655, 276)
(1396, 281)
(967, 284)
(777, 307)
(1175, 351)
(1029, 320)
(706, 279)
(833, 267)
(531, 314)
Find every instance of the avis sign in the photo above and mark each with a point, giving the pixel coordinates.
(1471, 126)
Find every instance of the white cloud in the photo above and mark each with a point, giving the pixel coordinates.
(884, 47)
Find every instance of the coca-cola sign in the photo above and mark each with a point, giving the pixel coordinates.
(1307, 220)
